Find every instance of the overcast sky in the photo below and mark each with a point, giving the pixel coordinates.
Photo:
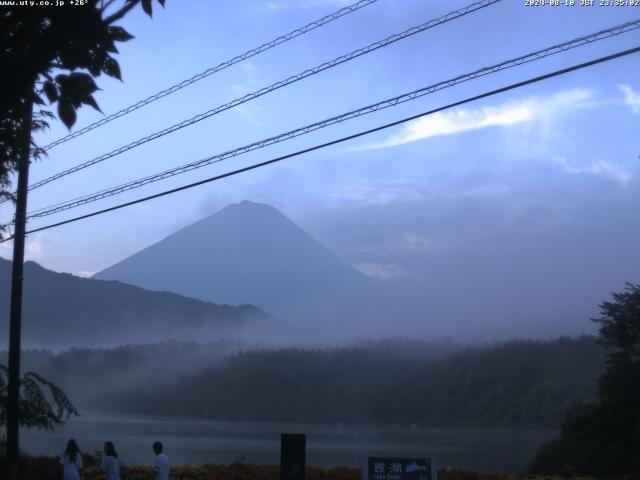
(538, 181)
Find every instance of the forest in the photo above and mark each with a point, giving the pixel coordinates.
(517, 383)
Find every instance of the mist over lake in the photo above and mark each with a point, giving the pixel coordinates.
(197, 441)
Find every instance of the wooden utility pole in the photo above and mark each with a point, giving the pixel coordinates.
(15, 321)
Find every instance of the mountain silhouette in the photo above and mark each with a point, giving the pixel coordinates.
(247, 253)
(60, 310)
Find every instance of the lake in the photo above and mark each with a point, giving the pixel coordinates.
(196, 441)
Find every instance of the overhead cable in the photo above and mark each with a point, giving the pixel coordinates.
(405, 97)
(275, 86)
(221, 66)
(342, 139)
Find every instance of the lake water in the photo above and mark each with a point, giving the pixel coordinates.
(196, 441)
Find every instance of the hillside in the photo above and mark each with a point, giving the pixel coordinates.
(388, 382)
(61, 310)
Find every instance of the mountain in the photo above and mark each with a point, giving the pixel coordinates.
(61, 310)
(245, 253)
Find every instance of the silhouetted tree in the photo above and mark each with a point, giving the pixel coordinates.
(53, 52)
(42, 404)
(603, 438)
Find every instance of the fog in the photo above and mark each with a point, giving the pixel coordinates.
(430, 284)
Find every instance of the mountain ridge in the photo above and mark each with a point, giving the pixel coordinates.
(245, 253)
(63, 309)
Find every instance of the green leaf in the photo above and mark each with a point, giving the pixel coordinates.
(66, 112)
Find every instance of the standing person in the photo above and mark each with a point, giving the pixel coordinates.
(110, 462)
(161, 465)
(71, 461)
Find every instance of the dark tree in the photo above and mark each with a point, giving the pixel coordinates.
(53, 54)
(603, 438)
(42, 404)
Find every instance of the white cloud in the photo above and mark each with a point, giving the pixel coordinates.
(510, 113)
(601, 168)
(85, 274)
(247, 66)
(632, 98)
(380, 271)
(33, 249)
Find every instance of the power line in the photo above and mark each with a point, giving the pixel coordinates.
(343, 139)
(275, 86)
(221, 66)
(406, 97)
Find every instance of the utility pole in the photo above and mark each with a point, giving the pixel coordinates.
(15, 321)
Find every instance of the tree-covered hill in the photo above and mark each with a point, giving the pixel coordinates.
(61, 310)
(392, 382)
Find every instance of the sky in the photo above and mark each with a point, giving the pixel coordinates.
(532, 191)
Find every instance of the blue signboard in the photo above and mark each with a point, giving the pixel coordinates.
(384, 468)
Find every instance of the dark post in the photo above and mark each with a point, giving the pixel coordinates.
(293, 449)
(13, 396)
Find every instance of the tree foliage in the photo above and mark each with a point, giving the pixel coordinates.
(603, 438)
(51, 55)
(386, 382)
(42, 404)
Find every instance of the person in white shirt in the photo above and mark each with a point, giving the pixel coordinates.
(110, 462)
(161, 465)
(71, 461)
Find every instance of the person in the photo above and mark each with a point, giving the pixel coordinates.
(110, 462)
(161, 465)
(71, 461)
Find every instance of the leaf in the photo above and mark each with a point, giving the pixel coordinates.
(119, 34)
(146, 6)
(66, 112)
(94, 69)
(111, 68)
(89, 100)
(50, 90)
(161, 2)
(62, 79)
(37, 99)
(83, 84)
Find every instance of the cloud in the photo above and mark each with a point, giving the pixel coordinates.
(601, 168)
(85, 274)
(377, 194)
(380, 271)
(250, 113)
(464, 120)
(384, 194)
(632, 98)
(34, 249)
(411, 241)
(417, 242)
